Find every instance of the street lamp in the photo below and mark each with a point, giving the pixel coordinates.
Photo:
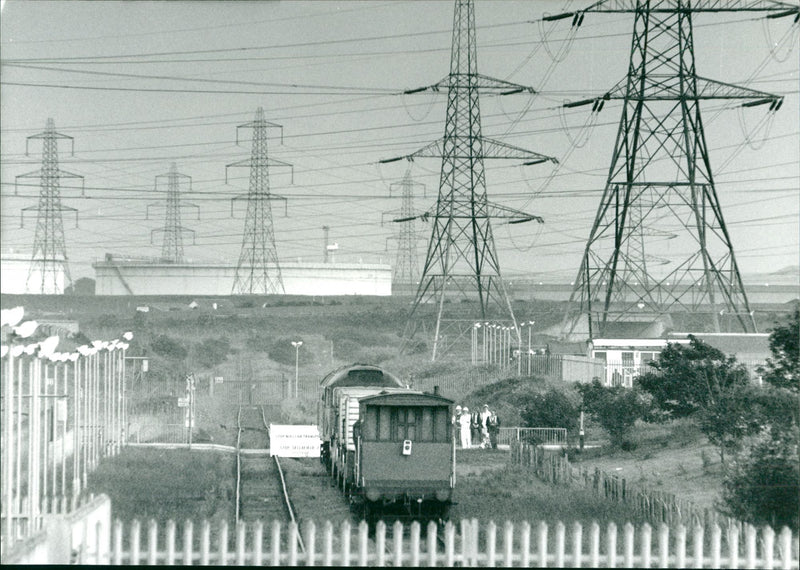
(296, 345)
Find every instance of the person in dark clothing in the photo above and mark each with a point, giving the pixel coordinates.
(476, 426)
(493, 424)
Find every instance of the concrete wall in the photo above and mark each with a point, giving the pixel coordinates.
(127, 278)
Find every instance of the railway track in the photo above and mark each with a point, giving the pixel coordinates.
(261, 492)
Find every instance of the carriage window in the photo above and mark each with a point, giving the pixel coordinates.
(426, 434)
(441, 425)
(407, 424)
(370, 427)
(384, 424)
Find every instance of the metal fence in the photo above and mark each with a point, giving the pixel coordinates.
(545, 436)
(61, 414)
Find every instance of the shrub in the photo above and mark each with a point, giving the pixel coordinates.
(764, 487)
(168, 347)
(211, 352)
(283, 352)
(616, 409)
(554, 408)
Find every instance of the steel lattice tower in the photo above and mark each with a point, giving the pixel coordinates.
(49, 258)
(406, 268)
(461, 263)
(660, 185)
(258, 271)
(173, 230)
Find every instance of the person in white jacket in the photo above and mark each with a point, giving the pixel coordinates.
(484, 423)
(464, 423)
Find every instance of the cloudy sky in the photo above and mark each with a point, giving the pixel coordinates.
(141, 85)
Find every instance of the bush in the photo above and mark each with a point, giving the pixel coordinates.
(211, 352)
(283, 352)
(764, 487)
(554, 408)
(168, 347)
(616, 409)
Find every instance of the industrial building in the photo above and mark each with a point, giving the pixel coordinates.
(127, 276)
(15, 269)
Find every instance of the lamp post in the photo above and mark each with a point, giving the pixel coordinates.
(296, 345)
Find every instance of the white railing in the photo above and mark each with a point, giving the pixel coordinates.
(545, 436)
(467, 543)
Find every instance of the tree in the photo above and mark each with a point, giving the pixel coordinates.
(764, 487)
(783, 370)
(687, 378)
(729, 418)
(83, 286)
(616, 408)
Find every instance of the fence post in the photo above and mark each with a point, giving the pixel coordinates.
(577, 544)
(611, 546)
(525, 544)
(560, 531)
(542, 547)
(647, 541)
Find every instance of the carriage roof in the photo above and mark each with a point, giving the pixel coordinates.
(406, 399)
(361, 375)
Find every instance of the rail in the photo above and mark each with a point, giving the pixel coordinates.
(238, 460)
(284, 489)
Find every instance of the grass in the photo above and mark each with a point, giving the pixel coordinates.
(518, 495)
(166, 484)
(675, 458)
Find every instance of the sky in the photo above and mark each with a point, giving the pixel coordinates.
(140, 85)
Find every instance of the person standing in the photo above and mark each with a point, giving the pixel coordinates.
(483, 419)
(476, 426)
(456, 416)
(464, 422)
(493, 426)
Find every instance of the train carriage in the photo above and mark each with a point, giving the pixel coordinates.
(405, 454)
(385, 445)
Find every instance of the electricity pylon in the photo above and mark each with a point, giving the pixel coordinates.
(461, 263)
(406, 266)
(49, 258)
(172, 245)
(660, 184)
(258, 271)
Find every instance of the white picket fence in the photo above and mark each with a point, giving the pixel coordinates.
(466, 544)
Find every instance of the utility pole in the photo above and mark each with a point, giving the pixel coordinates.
(461, 263)
(49, 269)
(258, 271)
(660, 184)
(172, 246)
